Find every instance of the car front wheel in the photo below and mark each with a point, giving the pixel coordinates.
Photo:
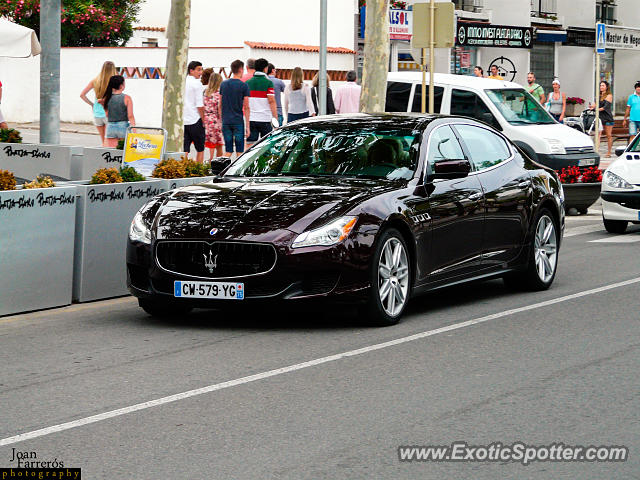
(390, 280)
(615, 226)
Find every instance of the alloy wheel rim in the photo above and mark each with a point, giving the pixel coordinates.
(545, 248)
(393, 277)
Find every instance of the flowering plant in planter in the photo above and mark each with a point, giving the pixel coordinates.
(575, 175)
(7, 180)
(10, 135)
(183, 168)
(575, 101)
(113, 175)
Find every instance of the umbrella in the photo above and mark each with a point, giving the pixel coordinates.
(17, 41)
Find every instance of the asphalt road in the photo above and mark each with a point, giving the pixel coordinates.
(475, 363)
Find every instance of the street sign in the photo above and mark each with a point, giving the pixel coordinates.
(444, 25)
(601, 35)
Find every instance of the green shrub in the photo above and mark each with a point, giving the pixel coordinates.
(7, 180)
(106, 175)
(130, 174)
(10, 135)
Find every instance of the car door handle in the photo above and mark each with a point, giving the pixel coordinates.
(525, 184)
(475, 196)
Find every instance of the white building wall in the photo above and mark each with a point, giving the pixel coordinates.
(584, 16)
(576, 72)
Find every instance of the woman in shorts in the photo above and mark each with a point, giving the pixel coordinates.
(119, 109)
(99, 87)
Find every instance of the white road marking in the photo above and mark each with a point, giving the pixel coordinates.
(299, 366)
(629, 238)
(572, 232)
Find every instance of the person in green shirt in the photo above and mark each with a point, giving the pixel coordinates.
(534, 89)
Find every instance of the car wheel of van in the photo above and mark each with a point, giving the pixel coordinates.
(543, 256)
(615, 226)
(390, 280)
(163, 309)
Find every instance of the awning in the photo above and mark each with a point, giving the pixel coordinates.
(17, 41)
(551, 35)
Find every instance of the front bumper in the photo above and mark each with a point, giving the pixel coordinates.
(618, 205)
(558, 162)
(340, 273)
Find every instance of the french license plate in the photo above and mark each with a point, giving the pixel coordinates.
(218, 290)
(586, 162)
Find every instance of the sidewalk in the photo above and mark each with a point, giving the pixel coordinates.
(67, 127)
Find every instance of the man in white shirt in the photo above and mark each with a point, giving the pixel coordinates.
(193, 115)
(347, 97)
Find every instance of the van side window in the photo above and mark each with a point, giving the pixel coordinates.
(437, 99)
(397, 97)
(469, 104)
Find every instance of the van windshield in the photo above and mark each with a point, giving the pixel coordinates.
(518, 107)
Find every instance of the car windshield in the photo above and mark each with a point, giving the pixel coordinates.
(518, 107)
(635, 145)
(333, 150)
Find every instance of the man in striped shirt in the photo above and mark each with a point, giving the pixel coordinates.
(262, 103)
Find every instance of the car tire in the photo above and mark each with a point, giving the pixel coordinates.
(163, 309)
(390, 274)
(615, 226)
(542, 260)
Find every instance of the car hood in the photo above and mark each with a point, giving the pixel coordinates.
(570, 137)
(627, 169)
(237, 207)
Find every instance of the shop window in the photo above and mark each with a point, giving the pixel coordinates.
(544, 9)
(468, 5)
(437, 99)
(468, 104)
(606, 12)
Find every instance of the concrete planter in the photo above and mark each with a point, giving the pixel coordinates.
(28, 160)
(83, 168)
(104, 214)
(183, 182)
(36, 248)
(580, 195)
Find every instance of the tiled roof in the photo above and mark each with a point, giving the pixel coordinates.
(150, 29)
(298, 48)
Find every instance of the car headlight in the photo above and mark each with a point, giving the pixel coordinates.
(139, 232)
(615, 181)
(556, 146)
(330, 234)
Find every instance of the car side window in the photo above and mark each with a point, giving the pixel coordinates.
(443, 145)
(397, 97)
(469, 104)
(485, 147)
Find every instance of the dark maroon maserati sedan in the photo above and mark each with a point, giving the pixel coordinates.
(370, 209)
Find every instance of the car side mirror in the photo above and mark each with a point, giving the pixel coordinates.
(458, 168)
(620, 151)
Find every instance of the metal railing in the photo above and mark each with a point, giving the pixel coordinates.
(544, 8)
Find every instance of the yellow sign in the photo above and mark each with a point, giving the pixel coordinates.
(143, 145)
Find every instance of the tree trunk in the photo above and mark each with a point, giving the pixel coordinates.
(176, 72)
(376, 57)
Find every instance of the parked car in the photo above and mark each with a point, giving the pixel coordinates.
(369, 209)
(506, 106)
(621, 189)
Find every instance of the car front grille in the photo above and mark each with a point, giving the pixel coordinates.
(571, 150)
(216, 259)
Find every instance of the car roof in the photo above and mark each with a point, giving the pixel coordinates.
(454, 80)
(408, 120)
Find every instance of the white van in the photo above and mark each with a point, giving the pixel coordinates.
(504, 105)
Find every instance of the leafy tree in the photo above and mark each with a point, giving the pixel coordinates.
(85, 23)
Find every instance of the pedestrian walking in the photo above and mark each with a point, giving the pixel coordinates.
(534, 89)
(494, 73)
(119, 110)
(262, 103)
(278, 89)
(99, 87)
(315, 95)
(478, 71)
(632, 114)
(347, 97)
(213, 116)
(606, 116)
(3, 123)
(193, 115)
(297, 97)
(251, 69)
(234, 98)
(557, 102)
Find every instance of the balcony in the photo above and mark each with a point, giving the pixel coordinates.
(473, 6)
(545, 9)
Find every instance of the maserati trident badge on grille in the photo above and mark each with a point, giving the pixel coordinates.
(213, 231)
(212, 262)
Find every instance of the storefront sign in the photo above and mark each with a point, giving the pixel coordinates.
(486, 35)
(400, 24)
(622, 38)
